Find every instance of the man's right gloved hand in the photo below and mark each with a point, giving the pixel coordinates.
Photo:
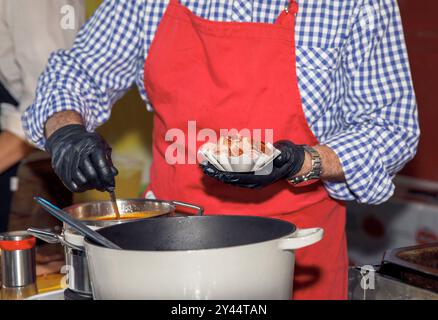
(81, 159)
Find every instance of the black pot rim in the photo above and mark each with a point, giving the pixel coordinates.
(280, 229)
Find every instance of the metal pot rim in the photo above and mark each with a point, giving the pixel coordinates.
(77, 205)
(170, 206)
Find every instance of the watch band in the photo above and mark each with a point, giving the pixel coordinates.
(314, 173)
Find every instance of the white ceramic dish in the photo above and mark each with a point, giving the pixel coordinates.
(242, 163)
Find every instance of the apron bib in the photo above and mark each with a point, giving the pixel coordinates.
(202, 74)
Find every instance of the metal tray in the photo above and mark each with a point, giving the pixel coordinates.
(416, 265)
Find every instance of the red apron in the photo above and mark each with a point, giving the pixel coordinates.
(226, 75)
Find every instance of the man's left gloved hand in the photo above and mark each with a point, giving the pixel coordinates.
(285, 166)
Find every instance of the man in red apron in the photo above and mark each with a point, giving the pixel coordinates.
(219, 75)
(237, 70)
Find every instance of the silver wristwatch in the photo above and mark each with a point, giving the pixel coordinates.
(314, 173)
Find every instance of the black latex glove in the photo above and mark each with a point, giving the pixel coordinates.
(81, 159)
(286, 165)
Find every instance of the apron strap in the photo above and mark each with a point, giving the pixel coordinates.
(292, 8)
(287, 16)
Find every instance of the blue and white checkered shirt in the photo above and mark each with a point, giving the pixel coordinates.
(352, 68)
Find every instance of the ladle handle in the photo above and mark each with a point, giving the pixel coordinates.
(75, 224)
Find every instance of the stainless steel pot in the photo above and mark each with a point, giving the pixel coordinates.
(90, 212)
(210, 257)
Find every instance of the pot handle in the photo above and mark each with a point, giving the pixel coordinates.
(302, 238)
(44, 235)
(199, 210)
(51, 237)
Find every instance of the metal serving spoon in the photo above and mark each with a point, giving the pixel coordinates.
(75, 224)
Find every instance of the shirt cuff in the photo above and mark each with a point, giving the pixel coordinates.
(366, 179)
(58, 100)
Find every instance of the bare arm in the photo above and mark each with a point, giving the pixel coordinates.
(12, 150)
(61, 119)
(331, 166)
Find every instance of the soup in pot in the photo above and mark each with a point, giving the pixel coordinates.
(128, 216)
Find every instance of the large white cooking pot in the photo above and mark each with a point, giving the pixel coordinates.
(211, 257)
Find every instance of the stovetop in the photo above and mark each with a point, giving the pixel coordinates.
(369, 284)
(71, 295)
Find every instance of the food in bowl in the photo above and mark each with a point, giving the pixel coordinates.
(239, 154)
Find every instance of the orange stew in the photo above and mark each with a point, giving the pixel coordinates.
(127, 216)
